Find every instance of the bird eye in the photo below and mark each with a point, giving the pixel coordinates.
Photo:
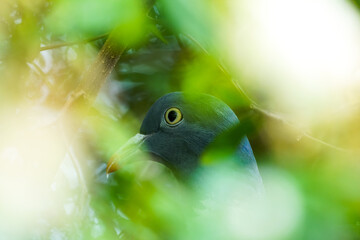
(173, 116)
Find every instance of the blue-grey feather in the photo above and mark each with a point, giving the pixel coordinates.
(204, 118)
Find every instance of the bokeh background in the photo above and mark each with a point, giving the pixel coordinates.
(293, 66)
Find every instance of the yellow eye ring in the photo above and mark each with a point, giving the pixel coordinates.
(173, 116)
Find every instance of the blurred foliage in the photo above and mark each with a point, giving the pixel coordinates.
(53, 187)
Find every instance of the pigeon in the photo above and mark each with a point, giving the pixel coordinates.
(177, 130)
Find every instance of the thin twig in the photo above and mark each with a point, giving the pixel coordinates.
(84, 195)
(328, 144)
(302, 132)
(38, 69)
(66, 44)
(255, 106)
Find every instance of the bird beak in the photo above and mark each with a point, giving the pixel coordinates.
(122, 156)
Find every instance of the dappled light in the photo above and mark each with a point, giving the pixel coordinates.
(179, 119)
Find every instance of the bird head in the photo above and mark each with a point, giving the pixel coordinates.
(176, 130)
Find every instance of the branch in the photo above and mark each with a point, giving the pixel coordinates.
(269, 114)
(83, 97)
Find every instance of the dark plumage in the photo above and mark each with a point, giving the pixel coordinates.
(177, 129)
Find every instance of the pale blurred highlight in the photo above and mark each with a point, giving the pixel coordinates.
(32, 150)
(302, 56)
